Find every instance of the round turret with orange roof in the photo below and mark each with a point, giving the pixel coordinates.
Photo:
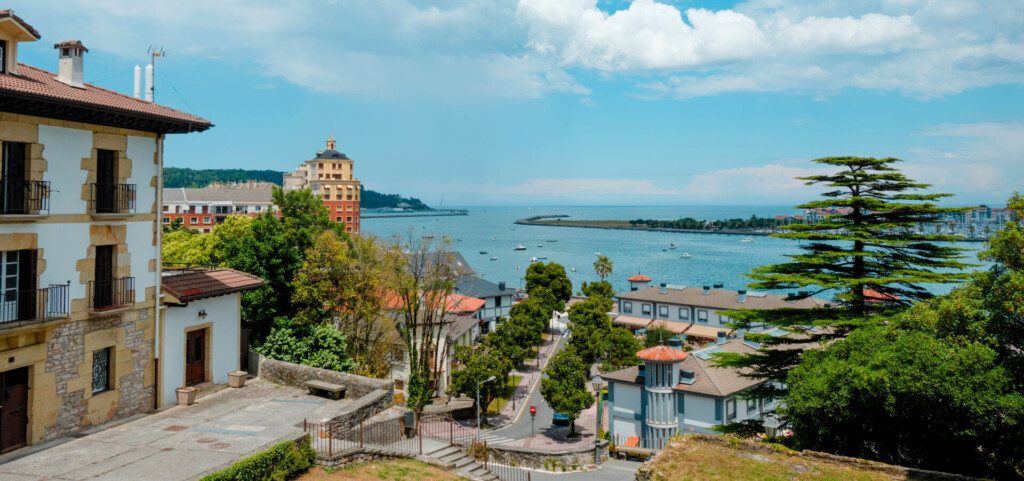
(661, 354)
(639, 278)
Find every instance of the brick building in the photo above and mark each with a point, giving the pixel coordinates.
(330, 175)
(202, 209)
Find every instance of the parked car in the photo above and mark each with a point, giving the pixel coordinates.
(559, 419)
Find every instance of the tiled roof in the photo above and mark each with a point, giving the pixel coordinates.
(477, 287)
(461, 303)
(639, 278)
(192, 284)
(708, 379)
(458, 325)
(661, 354)
(10, 14)
(38, 84)
(256, 195)
(717, 299)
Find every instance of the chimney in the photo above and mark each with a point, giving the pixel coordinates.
(137, 91)
(741, 296)
(719, 286)
(675, 342)
(664, 288)
(69, 58)
(149, 83)
(721, 338)
(707, 290)
(501, 286)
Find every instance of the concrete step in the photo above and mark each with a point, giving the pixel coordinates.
(452, 456)
(463, 462)
(444, 451)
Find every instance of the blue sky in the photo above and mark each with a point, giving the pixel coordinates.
(577, 101)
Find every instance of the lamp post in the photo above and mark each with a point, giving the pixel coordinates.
(481, 383)
(598, 384)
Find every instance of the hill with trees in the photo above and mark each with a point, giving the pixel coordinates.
(175, 177)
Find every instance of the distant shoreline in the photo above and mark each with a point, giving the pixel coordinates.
(557, 220)
(422, 213)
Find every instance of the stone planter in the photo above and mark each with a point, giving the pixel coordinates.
(186, 395)
(237, 378)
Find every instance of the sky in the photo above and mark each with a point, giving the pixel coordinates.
(576, 102)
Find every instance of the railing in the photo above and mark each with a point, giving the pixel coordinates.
(24, 197)
(637, 443)
(111, 294)
(112, 198)
(36, 304)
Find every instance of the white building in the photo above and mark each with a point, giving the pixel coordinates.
(202, 209)
(200, 328)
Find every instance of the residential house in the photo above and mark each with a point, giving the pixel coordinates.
(330, 175)
(674, 391)
(499, 299)
(696, 312)
(200, 328)
(202, 209)
(79, 244)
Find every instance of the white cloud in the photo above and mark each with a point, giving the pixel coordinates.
(765, 183)
(978, 161)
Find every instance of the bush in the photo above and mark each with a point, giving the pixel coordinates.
(283, 461)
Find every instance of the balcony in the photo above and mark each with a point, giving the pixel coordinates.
(24, 198)
(111, 199)
(44, 304)
(112, 294)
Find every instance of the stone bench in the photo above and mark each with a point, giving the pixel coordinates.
(331, 390)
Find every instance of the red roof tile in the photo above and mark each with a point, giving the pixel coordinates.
(38, 83)
(639, 278)
(661, 354)
(193, 284)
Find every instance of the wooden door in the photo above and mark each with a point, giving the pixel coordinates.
(106, 181)
(103, 283)
(195, 357)
(12, 178)
(27, 300)
(13, 409)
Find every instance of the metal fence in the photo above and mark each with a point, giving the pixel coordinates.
(637, 443)
(111, 294)
(112, 198)
(26, 197)
(35, 304)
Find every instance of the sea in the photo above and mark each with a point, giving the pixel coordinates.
(713, 258)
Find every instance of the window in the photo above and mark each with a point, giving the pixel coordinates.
(167, 220)
(337, 219)
(645, 309)
(497, 301)
(167, 208)
(684, 313)
(627, 307)
(3, 56)
(730, 410)
(663, 311)
(751, 405)
(348, 208)
(101, 370)
(718, 410)
(206, 220)
(14, 197)
(195, 220)
(348, 219)
(702, 315)
(337, 208)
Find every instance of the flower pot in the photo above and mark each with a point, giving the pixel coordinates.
(186, 395)
(237, 378)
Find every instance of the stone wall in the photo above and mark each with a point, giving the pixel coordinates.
(289, 374)
(567, 459)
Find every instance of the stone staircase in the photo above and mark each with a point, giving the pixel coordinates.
(463, 465)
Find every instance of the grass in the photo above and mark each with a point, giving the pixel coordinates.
(498, 404)
(390, 470)
(695, 459)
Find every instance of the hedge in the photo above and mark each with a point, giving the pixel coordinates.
(282, 461)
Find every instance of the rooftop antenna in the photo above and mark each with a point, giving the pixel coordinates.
(154, 52)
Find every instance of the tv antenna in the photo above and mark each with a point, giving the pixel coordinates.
(154, 51)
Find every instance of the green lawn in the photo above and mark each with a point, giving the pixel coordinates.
(498, 404)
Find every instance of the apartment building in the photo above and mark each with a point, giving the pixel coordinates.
(330, 175)
(202, 209)
(79, 244)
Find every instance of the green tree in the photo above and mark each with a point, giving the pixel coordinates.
(621, 348)
(590, 326)
(512, 340)
(598, 289)
(321, 346)
(657, 336)
(551, 277)
(868, 245)
(564, 386)
(480, 362)
(187, 248)
(603, 267)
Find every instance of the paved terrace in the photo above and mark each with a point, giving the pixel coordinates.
(182, 442)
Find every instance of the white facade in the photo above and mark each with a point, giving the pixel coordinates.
(222, 320)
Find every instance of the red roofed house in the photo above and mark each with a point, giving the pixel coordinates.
(79, 243)
(200, 330)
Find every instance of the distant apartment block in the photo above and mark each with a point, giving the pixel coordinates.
(330, 175)
(79, 244)
(202, 209)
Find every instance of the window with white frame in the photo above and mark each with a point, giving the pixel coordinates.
(663, 311)
(702, 315)
(645, 309)
(730, 410)
(627, 307)
(684, 313)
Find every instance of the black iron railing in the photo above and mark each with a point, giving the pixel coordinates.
(35, 304)
(112, 293)
(112, 198)
(24, 197)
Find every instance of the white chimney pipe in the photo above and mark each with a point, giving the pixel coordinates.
(149, 83)
(138, 82)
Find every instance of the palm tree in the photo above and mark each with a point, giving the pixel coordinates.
(603, 266)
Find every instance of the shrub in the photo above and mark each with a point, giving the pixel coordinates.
(283, 461)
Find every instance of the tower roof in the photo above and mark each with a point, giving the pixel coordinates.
(639, 278)
(330, 154)
(661, 354)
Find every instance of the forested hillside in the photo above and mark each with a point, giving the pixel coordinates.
(186, 177)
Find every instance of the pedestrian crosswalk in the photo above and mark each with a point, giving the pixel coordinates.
(492, 439)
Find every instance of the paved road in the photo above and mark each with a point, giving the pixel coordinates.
(611, 470)
(520, 428)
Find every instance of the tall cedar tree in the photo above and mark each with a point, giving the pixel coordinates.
(865, 256)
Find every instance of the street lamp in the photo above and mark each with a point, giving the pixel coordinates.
(598, 384)
(481, 383)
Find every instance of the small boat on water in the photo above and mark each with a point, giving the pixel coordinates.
(483, 253)
(553, 240)
(672, 245)
(494, 258)
(519, 247)
(572, 269)
(543, 258)
(533, 259)
(747, 239)
(597, 253)
(494, 238)
(540, 245)
(686, 255)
